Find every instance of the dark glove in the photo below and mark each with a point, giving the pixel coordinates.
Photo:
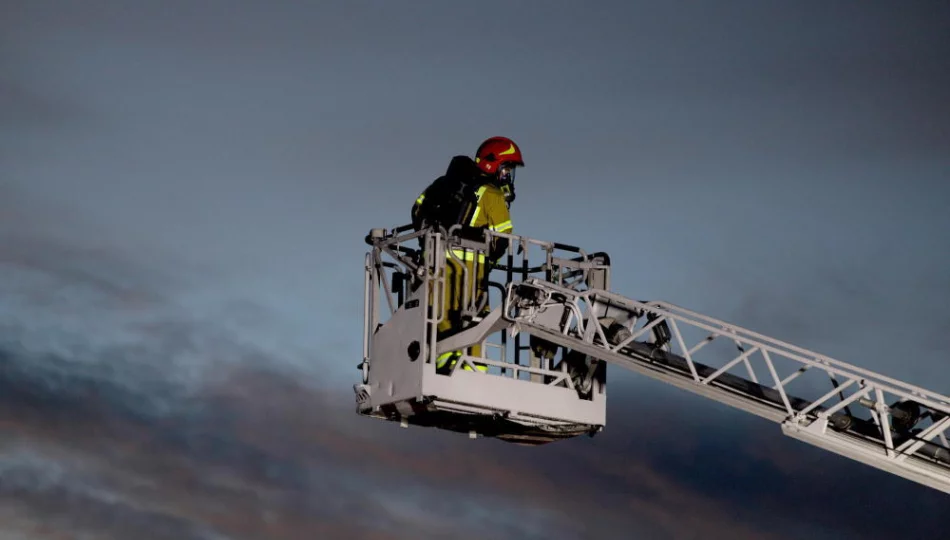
(498, 248)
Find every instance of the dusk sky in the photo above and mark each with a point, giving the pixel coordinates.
(185, 188)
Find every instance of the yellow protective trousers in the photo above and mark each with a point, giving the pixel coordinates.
(464, 284)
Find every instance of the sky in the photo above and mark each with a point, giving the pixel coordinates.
(185, 188)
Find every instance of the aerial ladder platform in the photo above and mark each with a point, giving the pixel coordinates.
(540, 373)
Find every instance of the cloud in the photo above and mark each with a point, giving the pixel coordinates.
(257, 452)
(747, 466)
(266, 463)
(287, 459)
(60, 497)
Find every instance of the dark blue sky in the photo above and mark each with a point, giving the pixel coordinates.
(184, 189)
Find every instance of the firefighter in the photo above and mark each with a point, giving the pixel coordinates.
(477, 195)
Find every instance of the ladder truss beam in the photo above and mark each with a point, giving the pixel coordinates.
(907, 427)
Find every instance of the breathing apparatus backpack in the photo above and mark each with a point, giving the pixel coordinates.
(450, 199)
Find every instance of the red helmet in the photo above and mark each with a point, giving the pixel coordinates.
(495, 151)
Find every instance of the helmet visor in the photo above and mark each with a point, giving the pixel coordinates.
(506, 174)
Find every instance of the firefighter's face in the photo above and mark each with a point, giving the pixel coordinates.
(506, 180)
(506, 174)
